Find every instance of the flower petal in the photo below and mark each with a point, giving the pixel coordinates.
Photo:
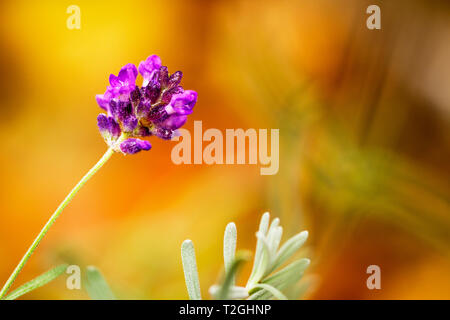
(148, 67)
(125, 82)
(132, 146)
(108, 126)
(103, 100)
(182, 103)
(175, 79)
(174, 122)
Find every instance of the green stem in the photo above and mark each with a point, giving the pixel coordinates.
(52, 219)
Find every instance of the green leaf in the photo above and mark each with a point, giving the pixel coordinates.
(37, 282)
(282, 279)
(190, 270)
(224, 292)
(276, 239)
(289, 275)
(234, 293)
(96, 285)
(229, 245)
(289, 248)
(274, 291)
(263, 226)
(271, 234)
(264, 261)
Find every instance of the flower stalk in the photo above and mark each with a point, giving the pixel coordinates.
(52, 220)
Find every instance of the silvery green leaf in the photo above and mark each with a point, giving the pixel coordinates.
(272, 233)
(234, 293)
(264, 261)
(237, 292)
(214, 291)
(263, 226)
(96, 285)
(273, 243)
(261, 294)
(289, 248)
(289, 275)
(224, 292)
(282, 279)
(37, 282)
(274, 291)
(277, 238)
(190, 270)
(229, 245)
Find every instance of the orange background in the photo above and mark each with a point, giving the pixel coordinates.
(364, 141)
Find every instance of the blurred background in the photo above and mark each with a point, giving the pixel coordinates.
(364, 119)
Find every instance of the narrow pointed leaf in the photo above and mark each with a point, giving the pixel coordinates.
(96, 285)
(263, 226)
(235, 292)
(264, 261)
(282, 279)
(277, 238)
(274, 291)
(37, 282)
(190, 270)
(214, 291)
(272, 230)
(289, 248)
(289, 275)
(229, 245)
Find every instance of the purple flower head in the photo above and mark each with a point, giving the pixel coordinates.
(158, 107)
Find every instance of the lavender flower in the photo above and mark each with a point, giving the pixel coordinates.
(159, 107)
